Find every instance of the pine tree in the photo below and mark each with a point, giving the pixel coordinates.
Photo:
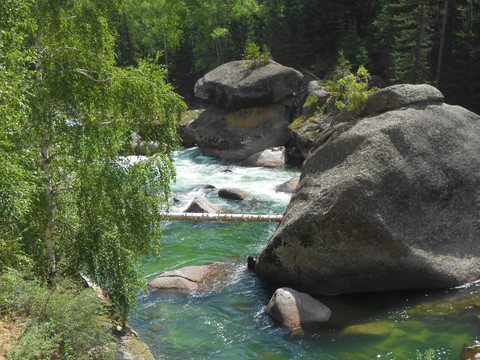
(406, 30)
(354, 49)
(461, 82)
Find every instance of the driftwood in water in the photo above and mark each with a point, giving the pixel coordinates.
(222, 217)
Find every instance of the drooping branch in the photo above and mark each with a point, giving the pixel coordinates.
(50, 213)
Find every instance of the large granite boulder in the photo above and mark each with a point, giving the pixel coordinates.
(395, 96)
(188, 139)
(250, 112)
(315, 97)
(237, 136)
(310, 124)
(240, 84)
(387, 202)
(304, 131)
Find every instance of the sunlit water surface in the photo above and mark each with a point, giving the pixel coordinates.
(228, 320)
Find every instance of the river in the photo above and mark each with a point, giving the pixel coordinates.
(228, 321)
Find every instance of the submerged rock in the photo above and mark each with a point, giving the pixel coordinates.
(377, 328)
(296, 310)
(214, 276)
(465, 306)
(388, 202)
(203, 187)
(228, 169)
(186, 278)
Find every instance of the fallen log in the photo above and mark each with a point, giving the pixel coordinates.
(179, 216)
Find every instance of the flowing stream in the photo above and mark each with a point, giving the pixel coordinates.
(227, 321)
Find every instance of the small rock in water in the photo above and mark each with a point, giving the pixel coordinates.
(228, 169)
(274, 157)
(288, 186)
(202, 205)
(234, 194)
(296, 310)
(470, 351)
(251, 261)
(179, 199)
(204, 187)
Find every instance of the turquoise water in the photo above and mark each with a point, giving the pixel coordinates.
(227, 321)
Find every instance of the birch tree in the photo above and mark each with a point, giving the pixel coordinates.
(91, 210)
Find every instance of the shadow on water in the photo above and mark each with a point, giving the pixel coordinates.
(227, 319)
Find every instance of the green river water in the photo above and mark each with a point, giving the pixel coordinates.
(228, 321)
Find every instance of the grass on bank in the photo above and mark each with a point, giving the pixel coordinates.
(65, 321)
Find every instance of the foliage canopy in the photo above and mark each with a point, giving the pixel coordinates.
(432, 41)
(74, 204)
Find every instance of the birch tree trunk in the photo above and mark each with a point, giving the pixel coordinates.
(50, 211)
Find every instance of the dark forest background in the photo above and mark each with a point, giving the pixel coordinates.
(403, 41)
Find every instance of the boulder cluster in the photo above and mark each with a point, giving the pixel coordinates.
(249, 110)
(389, 200)
(200, 204)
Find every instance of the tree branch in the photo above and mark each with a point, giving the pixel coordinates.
(60, 222)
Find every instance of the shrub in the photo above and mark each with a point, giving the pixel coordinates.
(65, 321)
(349, 90)
(260, 57)
(313, 105)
